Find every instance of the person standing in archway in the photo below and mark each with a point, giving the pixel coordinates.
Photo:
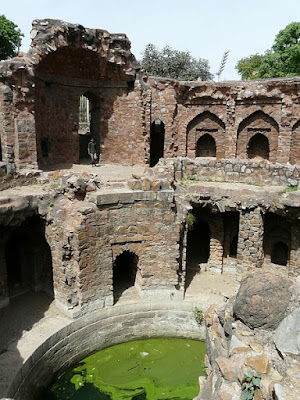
(92, 151)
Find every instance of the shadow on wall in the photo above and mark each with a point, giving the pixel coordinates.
(16, 320)
(26, 262)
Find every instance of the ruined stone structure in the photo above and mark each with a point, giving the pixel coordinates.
(237, 132)
(219, 190)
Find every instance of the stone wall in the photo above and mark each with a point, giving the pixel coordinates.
(256, 172)
(246, 119)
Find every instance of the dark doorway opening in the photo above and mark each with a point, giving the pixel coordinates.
(198, 247)
(206, 146)
(28, 259)
(277, 239)
(280, 253)
(231, 230)
(233, 246)
(157, 142)
(258, 147)
(124, 272)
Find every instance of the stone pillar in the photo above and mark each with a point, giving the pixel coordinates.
(26, 151)
(284, 144)
(216, 244)
(231, 130)
(294, 264)
(285, 130)
(250, 240)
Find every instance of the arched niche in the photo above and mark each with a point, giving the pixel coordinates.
(258, 147)
(295, 144)
(206, 146)
(261, 124)
(204, 124)
(157, 142)
(124, 272)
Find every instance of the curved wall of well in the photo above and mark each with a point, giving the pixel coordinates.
(99, 330)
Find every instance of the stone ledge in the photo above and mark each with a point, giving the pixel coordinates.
(127, 196)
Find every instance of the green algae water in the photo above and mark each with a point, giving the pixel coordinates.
(152, 369)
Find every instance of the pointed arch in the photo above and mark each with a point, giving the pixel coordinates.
(295, 145)
(209, 125)
(261, 125)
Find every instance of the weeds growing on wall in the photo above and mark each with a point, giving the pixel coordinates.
(198, 315)
(190, 221)
(250, 383)
(188, 180)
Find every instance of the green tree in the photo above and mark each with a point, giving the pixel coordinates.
(283, 59)
(174, 64)
(248, 67)
(10, 38)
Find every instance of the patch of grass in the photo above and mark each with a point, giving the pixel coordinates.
(290, 189)
(198, 315)
(187, 180)
(255, 184)
(54, 185)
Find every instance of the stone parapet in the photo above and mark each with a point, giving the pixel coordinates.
(256, 172)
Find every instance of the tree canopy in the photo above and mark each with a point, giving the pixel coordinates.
(10, 38)
(170, 63)
(283, 59)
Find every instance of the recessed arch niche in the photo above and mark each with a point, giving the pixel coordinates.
(211, 128)
(253, 133)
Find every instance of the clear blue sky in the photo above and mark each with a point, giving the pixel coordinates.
(205, 28)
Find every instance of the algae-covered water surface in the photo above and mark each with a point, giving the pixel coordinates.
(152, 369)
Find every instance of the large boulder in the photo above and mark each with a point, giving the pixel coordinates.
(262, 299)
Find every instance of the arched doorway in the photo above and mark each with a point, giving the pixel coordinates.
(89, 124)
(258, 147)
(157, 142)
(280, 253)
(124, 272)
(28, 259)
(206, 146)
